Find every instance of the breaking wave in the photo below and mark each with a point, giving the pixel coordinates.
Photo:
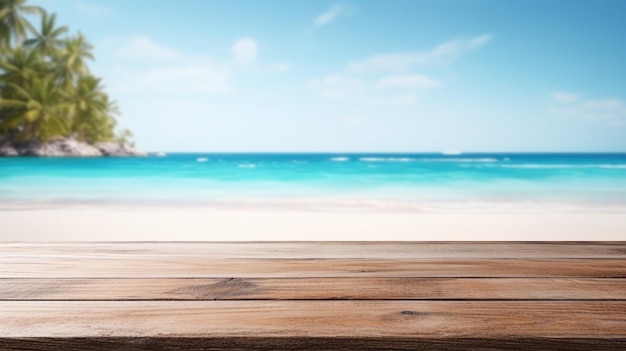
(387, 159)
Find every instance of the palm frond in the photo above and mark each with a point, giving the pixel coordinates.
(11, 104)
(20, 92)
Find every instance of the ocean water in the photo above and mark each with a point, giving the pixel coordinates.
(409, 181)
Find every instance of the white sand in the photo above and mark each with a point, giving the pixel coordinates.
(106, 223)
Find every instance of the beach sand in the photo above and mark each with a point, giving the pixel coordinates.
(162, 223)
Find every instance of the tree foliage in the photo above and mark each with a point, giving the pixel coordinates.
(46, 88)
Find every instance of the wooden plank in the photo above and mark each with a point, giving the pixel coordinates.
(69, 266)
(309, 343)
(313, 289)
(351, 319)
(312, 296)
(322, 250)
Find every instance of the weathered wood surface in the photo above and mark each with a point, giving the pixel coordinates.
(430, 319)
(141, 267)
(314, 289)
(313, 296)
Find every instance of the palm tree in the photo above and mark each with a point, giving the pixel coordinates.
(20, 66)
(46, 89)
(111, 109)
(13, 24)
(125, 137)
(47, 40)
(87, 107)
(35, 113)
(72, 59)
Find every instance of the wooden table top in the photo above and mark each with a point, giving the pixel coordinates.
(313, 296)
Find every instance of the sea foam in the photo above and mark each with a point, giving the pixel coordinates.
(436, 159)
(482, 159)
(387, 159)
(546, 166)
(564, 166)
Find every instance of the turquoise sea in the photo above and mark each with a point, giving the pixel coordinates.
(341, 179)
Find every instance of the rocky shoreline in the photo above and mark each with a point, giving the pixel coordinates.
(67, 147)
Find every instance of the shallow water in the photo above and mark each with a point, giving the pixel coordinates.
(343, 179)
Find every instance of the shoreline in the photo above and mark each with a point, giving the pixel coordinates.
(324, 205)
(198, 223)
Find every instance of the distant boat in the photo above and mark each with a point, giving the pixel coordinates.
(451, 153)
(161, 154)
(202, 159)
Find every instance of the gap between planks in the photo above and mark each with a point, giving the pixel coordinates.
(309, 343)
(337, 250)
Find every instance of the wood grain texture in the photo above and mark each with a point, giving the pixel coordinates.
(313, 296)
(321, 250)
(314, 289)
(391, 319)
(68, 266)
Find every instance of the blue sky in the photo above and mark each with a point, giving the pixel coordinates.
(406, 76)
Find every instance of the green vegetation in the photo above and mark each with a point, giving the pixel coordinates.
(46, 88)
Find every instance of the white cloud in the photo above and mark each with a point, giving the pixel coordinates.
(604, 105)
(390, 79)
(144, 48)
(330, 15)
(395, 100)
(441, 54)
(281, 67)
(407, 81)
(390, 90)
(245, 51)
(184, 78)
(164, 70)
(89, 9)
(611, 112)
(339, 87)
(564, 97)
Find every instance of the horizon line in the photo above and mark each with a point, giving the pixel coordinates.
(390, 152)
